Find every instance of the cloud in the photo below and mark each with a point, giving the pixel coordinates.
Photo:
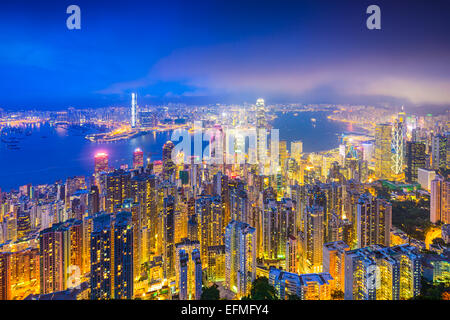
(255, 68)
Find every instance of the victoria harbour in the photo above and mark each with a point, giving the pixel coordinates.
(60, 151)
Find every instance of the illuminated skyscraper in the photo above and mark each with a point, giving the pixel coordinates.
(61, 253)
(415, 159)
(334, 262)
(189, 274)
(101, 162)
(398, 138)
(123, 256)
(168, 163)
(133, 110)
(312, 248)
(240, 257)
(380, 273)
(210, 217)
(5, 286)
(168, 233)
(296, 150)
(261, 124)
(101, 259)
(439, 151)
(383, 155)
(118, 188)
(112, 257)
(138, 158)
(373, 221)
(440, 200)
(216, 263)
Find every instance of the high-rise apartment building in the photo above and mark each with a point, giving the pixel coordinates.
(240, 257)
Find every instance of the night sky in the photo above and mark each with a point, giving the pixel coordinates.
(196, 51)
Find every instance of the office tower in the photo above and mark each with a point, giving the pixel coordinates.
(261, 127)
(397, 148)
(439, 151)
(101, 162)
(424, 178)
(312, 245)
(240, 257)
(117, 189)
(440, 200)
(313, 286)
(101, 258)
(133, 110)
(334, 262)
(374, 220)
(415, 159)
(382, 157)
(168, 233)
(215, 271)
(380, 273)
(123, 271)
(209, 213)
(138, 158)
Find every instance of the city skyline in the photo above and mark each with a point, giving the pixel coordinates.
(219, 150)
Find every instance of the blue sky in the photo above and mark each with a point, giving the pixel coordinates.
(196, 51)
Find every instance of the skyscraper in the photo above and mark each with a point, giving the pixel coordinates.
(383, 154)
(380, 273)
(439, 151)
(415, 159)
(334, 262)
(189, 274)
(373, 221)
(138, 158)
(440, 200)
(112, 257)
(133, 110)
(123, 256)
(101, 258)
(240, 257)
(398, 138)
(312, 248)
(101, 162)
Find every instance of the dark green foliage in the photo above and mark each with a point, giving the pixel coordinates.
(411, 217)
(211, 293)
